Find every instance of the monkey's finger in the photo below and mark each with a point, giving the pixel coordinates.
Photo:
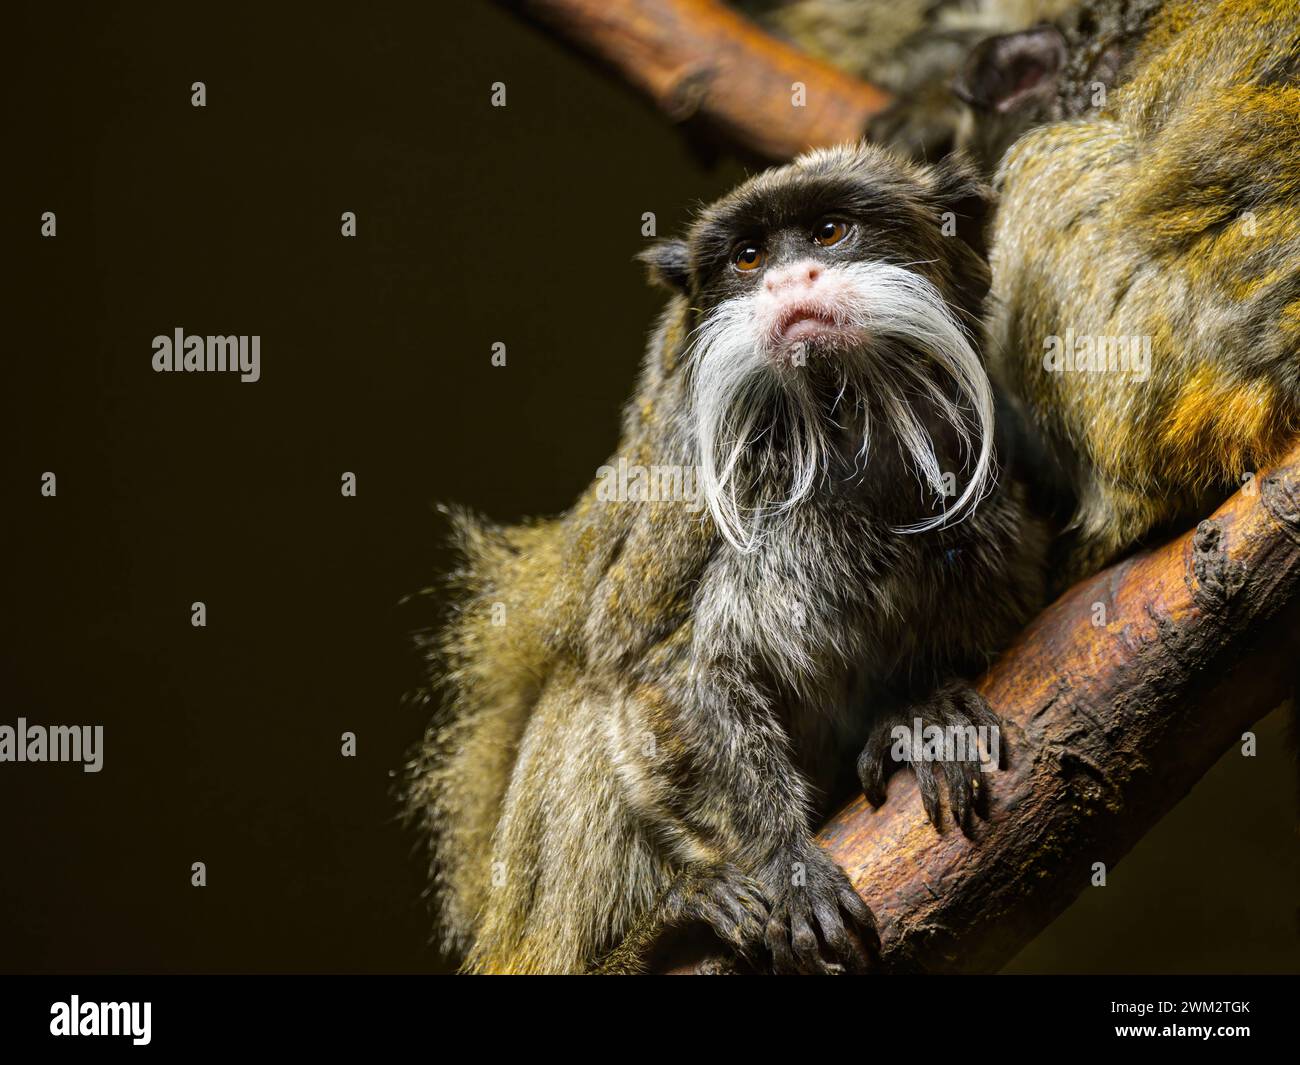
(954, 775)
(806, 948)
(863, 919)
(746, 921)
(979, 796)
(844, 948)
(978, 708)
(836, 937)
(722, 923)
(750, 893)
(979, 793)
(872, 773)
(980, 713)
(751, 913)
(752, 942)
(778, 942)
(752, 931)
(852, 904)
(929, 785)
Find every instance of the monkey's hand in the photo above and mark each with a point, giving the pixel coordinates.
(814, 909)
(722, 897)
(717, 895)
(962, 715)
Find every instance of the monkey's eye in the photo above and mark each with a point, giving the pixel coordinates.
(829, 232)
(747, 257)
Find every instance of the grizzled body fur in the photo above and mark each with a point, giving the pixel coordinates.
(1172, 213)
(662, 715)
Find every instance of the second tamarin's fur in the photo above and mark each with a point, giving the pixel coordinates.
(1146, 298)
(910, 48)
(655, 696)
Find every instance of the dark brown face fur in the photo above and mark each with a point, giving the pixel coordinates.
(931, 219)
(832, 345)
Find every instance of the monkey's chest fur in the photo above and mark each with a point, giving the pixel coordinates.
(834, 618)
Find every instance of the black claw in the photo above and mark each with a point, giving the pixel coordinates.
(872, 772)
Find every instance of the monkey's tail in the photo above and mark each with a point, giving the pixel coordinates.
(478, 698)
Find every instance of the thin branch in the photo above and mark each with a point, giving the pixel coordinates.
(697, 59)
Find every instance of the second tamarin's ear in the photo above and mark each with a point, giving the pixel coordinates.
(1011, 72)
(669, 264)
(964, 200)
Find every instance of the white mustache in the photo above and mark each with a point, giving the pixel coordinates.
(734, 383)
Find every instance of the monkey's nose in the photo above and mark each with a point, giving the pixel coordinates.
(796, 275)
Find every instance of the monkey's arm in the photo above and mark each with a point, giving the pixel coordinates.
(716, 781)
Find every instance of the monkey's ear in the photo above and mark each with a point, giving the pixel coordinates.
(669, 264)
(1007, 73)
(965, 201)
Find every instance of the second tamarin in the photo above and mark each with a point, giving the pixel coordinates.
(655, 696)
(1147, 253)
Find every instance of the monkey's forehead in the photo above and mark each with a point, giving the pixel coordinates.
(861, 181)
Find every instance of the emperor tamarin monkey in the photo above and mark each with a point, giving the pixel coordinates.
(676, 692)
(1147, 255)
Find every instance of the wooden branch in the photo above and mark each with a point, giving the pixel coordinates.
(1107, 727)
(698, 58)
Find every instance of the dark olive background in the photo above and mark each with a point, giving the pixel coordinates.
(475, 225)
